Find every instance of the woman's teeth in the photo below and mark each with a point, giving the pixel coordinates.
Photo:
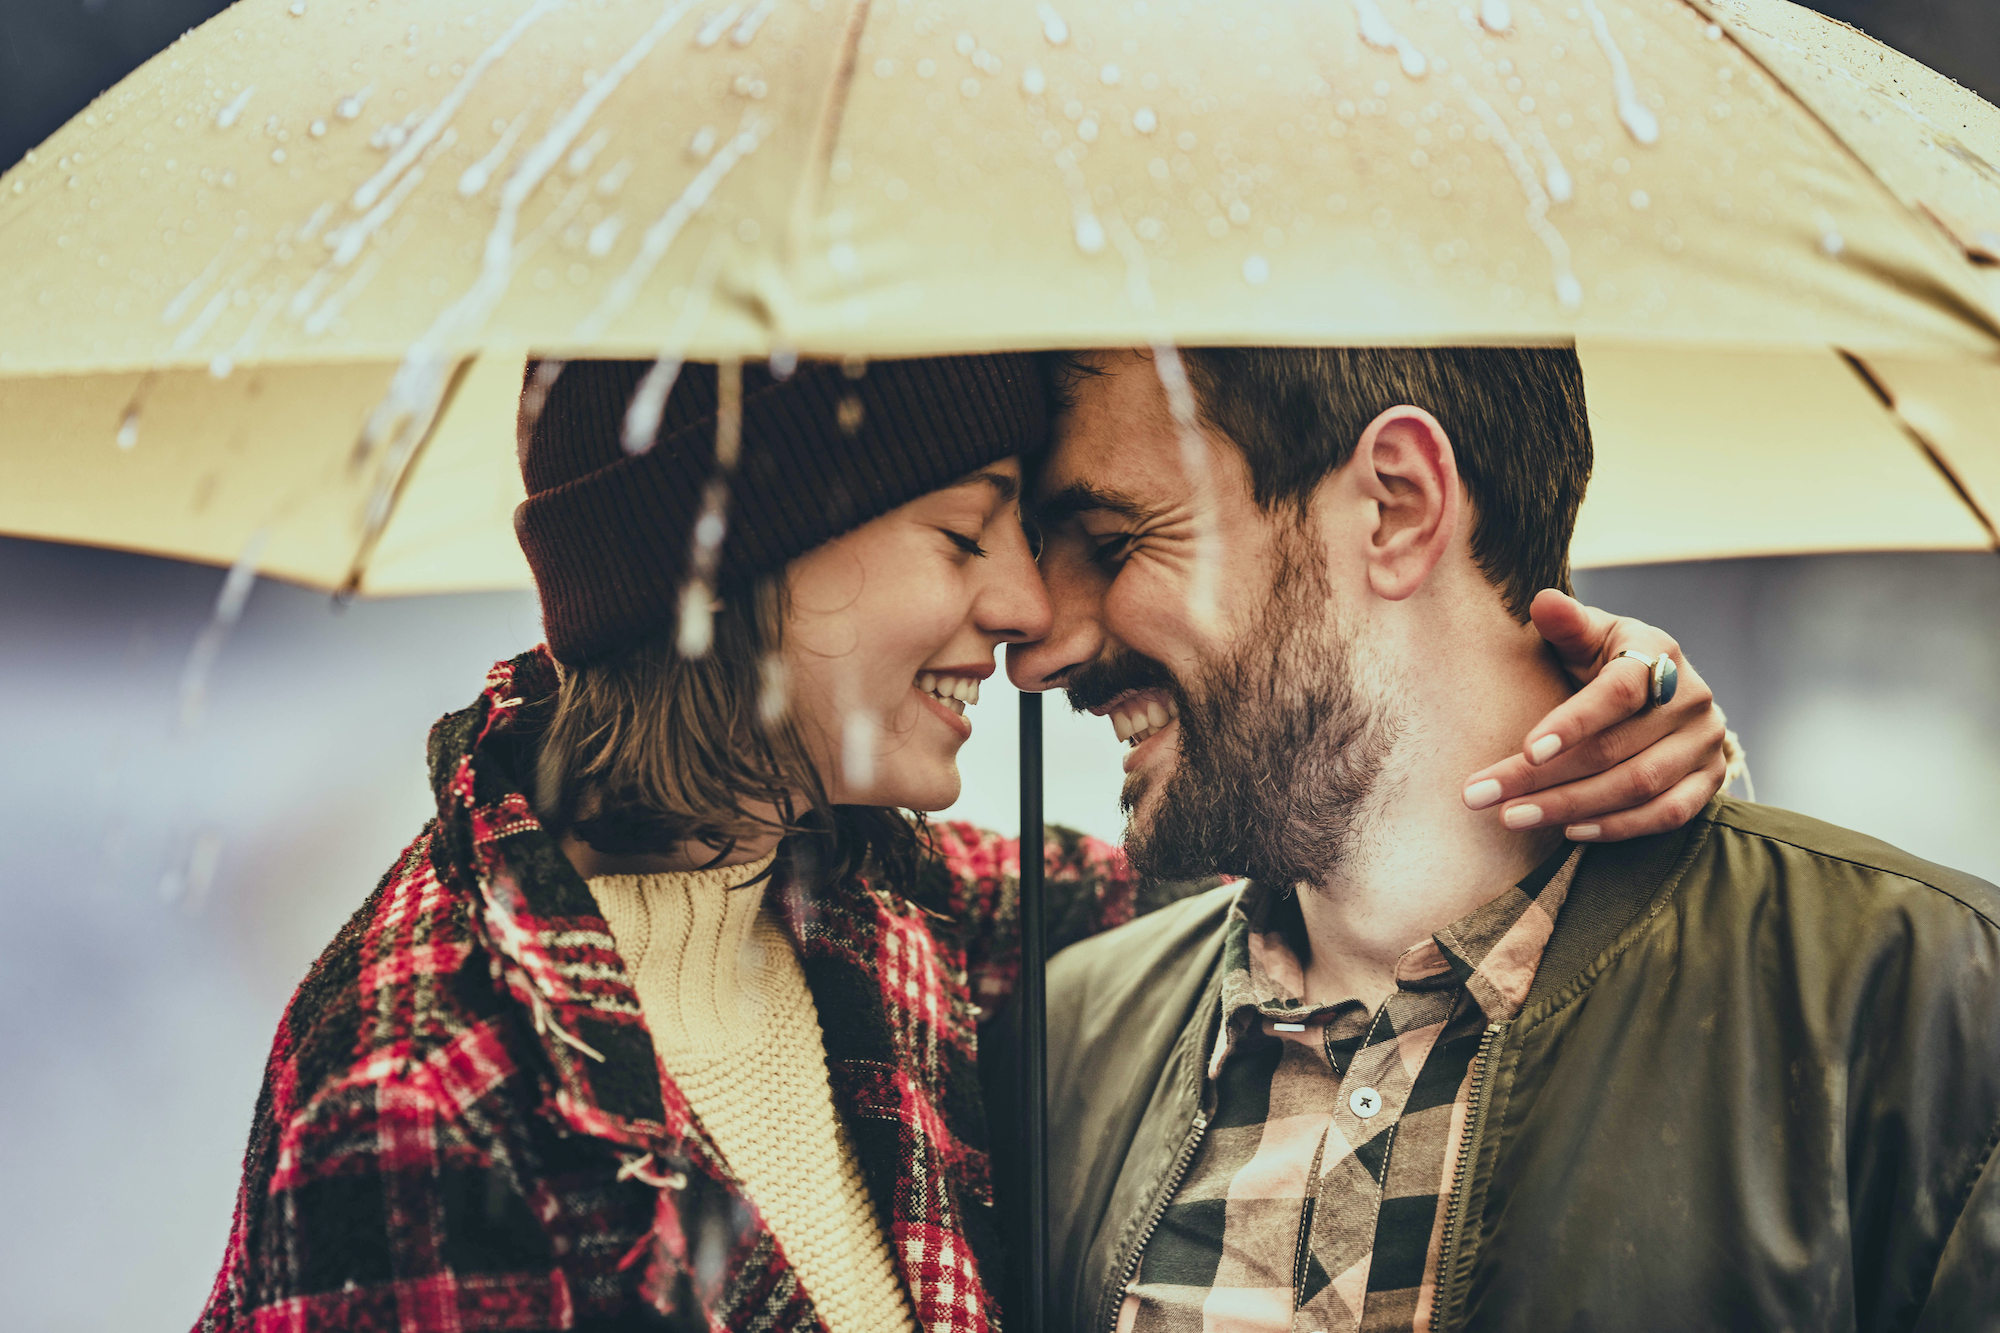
(954, 692)
(1140, 718)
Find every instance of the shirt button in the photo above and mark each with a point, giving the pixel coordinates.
(1364, 1102)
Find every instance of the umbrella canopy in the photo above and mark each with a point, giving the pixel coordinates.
(310, 225)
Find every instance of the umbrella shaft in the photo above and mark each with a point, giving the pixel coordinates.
(1034, 1017)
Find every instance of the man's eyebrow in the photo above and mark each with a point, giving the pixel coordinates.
(1081, 497)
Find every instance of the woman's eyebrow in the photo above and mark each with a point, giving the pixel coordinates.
(1006, 488)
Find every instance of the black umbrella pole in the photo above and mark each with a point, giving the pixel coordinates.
(1034, 1015)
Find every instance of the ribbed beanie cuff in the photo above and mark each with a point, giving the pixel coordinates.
(609, 536)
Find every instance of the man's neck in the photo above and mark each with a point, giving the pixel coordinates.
(1420, 859)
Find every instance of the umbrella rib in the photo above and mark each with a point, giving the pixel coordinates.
(826, 130)
(1984, 318)
(1923, 442)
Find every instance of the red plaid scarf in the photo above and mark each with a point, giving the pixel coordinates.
(464, 1125)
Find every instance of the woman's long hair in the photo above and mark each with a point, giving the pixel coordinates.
(648, 751)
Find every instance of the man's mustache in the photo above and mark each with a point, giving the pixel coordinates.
(1097, 683)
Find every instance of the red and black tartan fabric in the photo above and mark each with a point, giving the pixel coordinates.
(464, 1125)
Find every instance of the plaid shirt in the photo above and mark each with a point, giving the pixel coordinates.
(1296, 1214)
(464, 1125)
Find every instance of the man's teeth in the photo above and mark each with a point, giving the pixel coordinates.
(954, 692)
(1139, 719)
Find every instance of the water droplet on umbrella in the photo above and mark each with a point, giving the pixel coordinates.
(1495, 16)
(582, 155)
(1033, 82)
(702, 143)
(317, 129)
(1144, 120)
(1560, 185)
(964, 44)
(221, 366)
(1378, 32)
(1109, 75)
(349, 107)
(968, 86)
(1256, 270)
(298, 9)
(711, 32)
(128, 428)
(1638, 118)
(854, 367)
(1832, 242)
(228, 115)
(1640, 199)
(746, 31)
(604, 235)
(278, 155)
(1053, 26)
(1086, 129)
(1569, 291)
(1713, 32)
(1089, 233)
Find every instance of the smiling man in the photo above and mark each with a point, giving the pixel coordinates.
(1428, 1067)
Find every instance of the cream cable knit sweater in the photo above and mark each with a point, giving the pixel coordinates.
(722, 991)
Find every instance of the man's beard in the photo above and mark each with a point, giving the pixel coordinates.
(1280, 749)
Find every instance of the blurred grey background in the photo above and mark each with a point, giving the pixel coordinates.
(168, 879)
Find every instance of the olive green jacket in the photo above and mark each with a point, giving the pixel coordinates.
(1756, 1085)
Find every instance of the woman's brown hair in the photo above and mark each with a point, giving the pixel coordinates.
(648, 750)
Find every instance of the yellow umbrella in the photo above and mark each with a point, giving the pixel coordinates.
(277, 285)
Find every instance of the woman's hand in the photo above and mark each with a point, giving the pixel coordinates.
(1603, 764)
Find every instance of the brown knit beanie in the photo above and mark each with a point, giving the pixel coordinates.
(609, 535)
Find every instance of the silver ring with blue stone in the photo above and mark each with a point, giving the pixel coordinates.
(1666, 677)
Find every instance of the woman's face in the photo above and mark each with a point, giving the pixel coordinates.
(892, 628)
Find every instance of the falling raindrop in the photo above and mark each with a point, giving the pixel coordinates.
(1033, 82)
(230, 114)
(1172, 373)
(229, 604)
(784, 362)
(697, 598)
(536, 395)
(1144, 120)
(1256, 270)
(128, 428)
(1053, 26)
(849, 414)
(1495, 16)
(221, 366)
(649, 402)
(696, 633)
(858, 738)
(773, 693)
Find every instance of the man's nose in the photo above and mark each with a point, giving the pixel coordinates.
(1014, 606)
(1074, 635)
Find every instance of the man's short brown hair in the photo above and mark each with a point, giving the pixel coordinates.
(1515, 416)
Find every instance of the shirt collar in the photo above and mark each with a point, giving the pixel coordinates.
(1492, 951)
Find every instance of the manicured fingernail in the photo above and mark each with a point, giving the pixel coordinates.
(1522, 816)
(1544, 749)
(1482, 794)
(1581, 832)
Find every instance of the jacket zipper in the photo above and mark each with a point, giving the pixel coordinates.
(1475, 1121)
(1182, 1161)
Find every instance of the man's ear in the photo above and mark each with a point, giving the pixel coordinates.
(1404, 466)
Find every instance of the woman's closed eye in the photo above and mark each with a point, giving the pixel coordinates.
(969, 545)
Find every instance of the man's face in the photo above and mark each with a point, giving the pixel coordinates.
(1256, 731)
